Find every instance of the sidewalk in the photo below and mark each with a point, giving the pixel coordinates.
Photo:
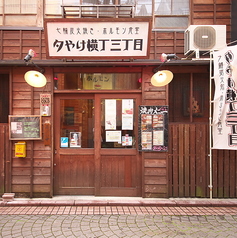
(120, 201)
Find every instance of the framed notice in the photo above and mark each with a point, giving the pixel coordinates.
(153, 128)
(25, 128)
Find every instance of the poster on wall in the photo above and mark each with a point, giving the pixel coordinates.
(127, 114)
(153, 128)
(110, 114)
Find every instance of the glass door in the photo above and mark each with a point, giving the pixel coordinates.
(96, 145)
(74, 166)
(119, 160)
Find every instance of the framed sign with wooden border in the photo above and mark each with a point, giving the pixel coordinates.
(25, 127)
(153, 128)
(121, 38)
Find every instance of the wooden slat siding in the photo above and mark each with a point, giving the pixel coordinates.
(25, 101)
(220, 178)
(114, 170)
(4, 148)
(181, 162)
(203, 12)
(189, 160)
(170, 171)
(224, 166)
(233, 172)
(211, 12)
(214, 173)
(155, 174)
(175, 163)
(193, 149)
(202, 158)
(154, 170)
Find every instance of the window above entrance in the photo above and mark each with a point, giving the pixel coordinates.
(97, 81)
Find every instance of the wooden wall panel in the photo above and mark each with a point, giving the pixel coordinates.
(154, 169)
(30, 175)
(189, 168)
(155, 174)
(212, 12)
(4, 148)
(158, 181)
(203, 12)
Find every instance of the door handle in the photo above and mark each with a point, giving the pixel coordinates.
(55, 151)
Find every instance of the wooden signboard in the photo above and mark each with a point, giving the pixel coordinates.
(25, 128)
(98, 38)
(153, 128)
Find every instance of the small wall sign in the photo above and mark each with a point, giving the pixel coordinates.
(45, 104)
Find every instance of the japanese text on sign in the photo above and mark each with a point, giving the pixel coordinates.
(97, 39)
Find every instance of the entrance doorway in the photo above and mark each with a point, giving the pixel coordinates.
(96, 144)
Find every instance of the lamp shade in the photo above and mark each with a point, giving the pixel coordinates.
(161, 78)
(35, 79)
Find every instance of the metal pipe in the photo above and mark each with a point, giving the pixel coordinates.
(210, 124)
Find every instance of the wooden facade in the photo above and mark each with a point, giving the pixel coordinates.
(182, 172)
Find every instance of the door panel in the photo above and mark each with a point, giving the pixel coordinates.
(94, 165)
(118, 173)
(76, 174)
(74, 167)
(120, 163)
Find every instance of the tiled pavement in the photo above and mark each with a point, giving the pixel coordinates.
(117, 210)
(118, 217)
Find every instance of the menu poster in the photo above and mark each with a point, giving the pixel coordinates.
(146, 140)
(153, 128)
(25, 128)
(110, 114)
(127, 114)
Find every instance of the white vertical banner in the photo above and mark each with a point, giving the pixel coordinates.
(224, 129)
(127, 114)
(110, 114)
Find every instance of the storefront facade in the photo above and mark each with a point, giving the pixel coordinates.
(90, 141)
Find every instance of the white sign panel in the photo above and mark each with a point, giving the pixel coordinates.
(127, 114)
(225, 99)
(113, 136)
(97, 38)
(110, 114)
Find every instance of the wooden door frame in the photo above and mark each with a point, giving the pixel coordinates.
(104, 151)
(97, 150)
(57, 149)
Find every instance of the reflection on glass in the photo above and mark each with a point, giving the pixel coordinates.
(117, 123)
(97, 81)
(77, 122)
